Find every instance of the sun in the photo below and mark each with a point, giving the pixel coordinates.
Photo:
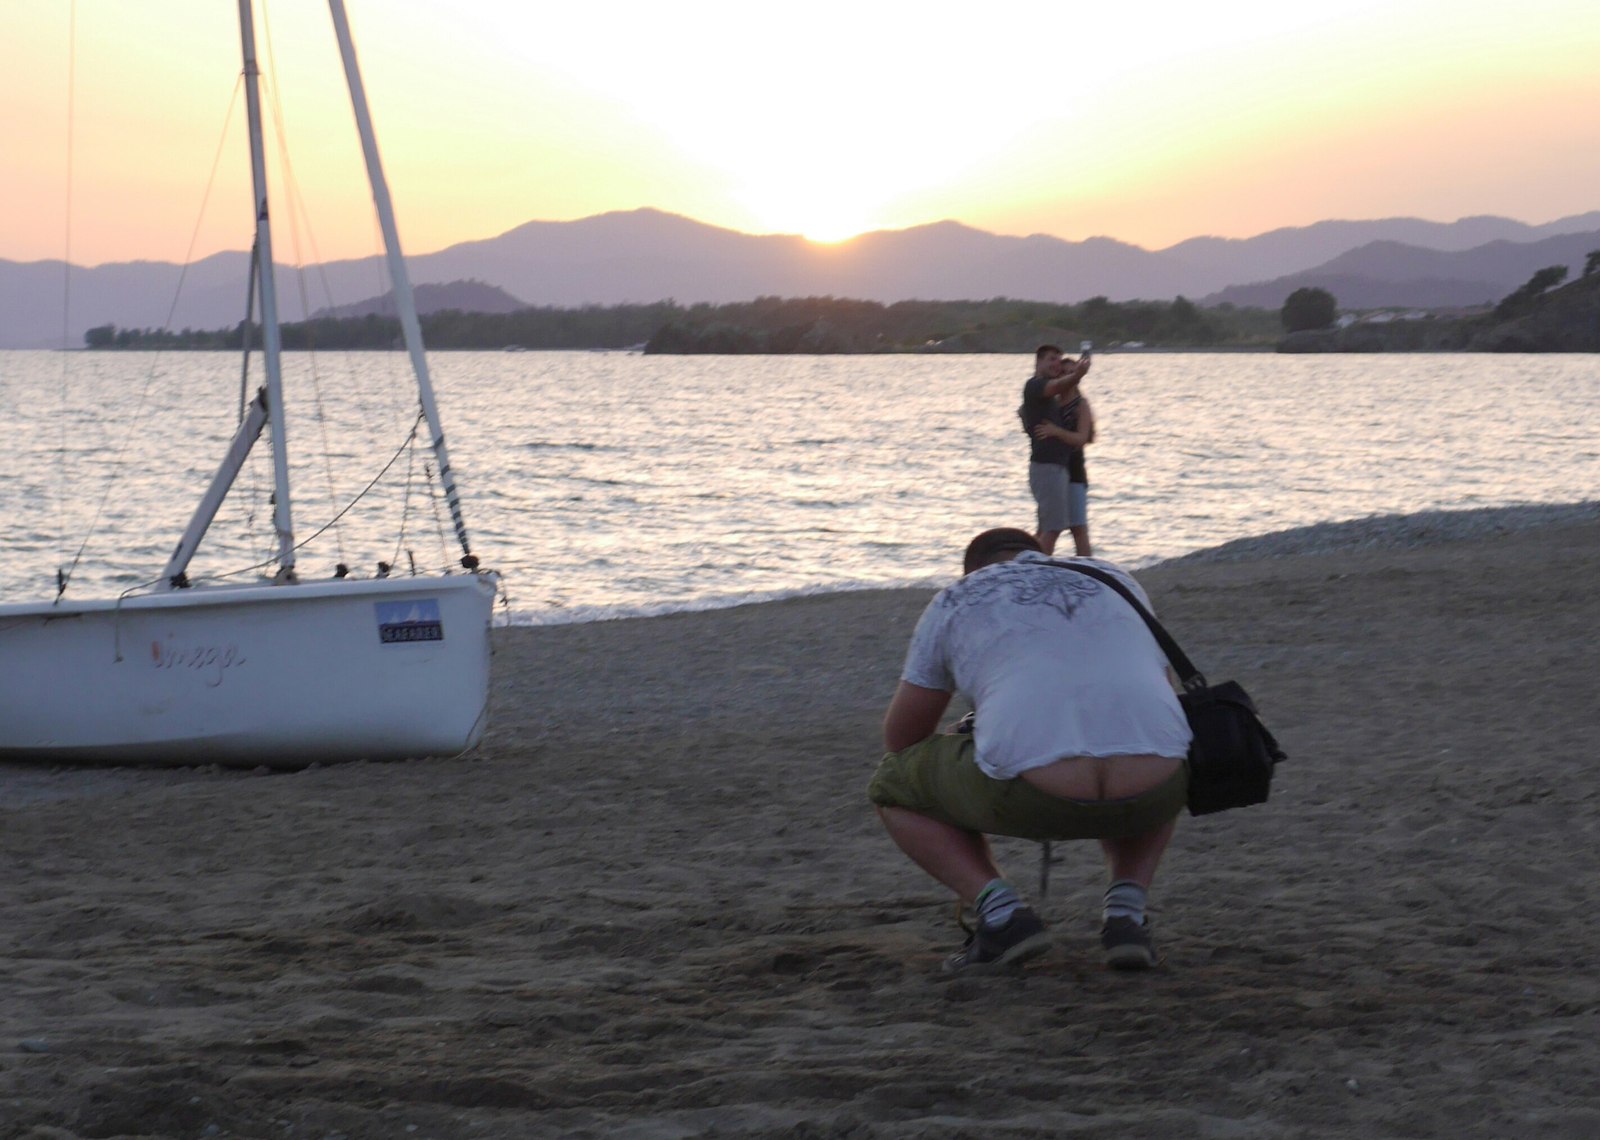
(833, 231)
(820, 213)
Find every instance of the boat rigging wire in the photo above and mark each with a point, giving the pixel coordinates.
(292, 194)
(64, 577)
(66, 294)
(405, 497)
(405, 446)
(346, 509)
(244, 332)
(433, 498)
(405, 299)
(246, 336)
(438, 519)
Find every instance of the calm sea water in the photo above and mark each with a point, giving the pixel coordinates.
(614, 483)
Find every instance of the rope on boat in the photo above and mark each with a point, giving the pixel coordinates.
(347, 508)
(438, 523)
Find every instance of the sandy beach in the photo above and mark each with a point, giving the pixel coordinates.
(655, 903)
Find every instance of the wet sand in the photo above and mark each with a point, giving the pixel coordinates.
(656, 904)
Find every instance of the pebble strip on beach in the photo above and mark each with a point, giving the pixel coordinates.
(1395, 532)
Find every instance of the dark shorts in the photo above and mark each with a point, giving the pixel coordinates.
(939, 777)
(1062, 503)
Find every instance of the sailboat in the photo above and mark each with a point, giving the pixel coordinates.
(281, 671)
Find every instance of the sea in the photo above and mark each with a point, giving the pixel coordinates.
(611, 484)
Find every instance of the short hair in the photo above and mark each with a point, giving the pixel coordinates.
(1039, 353)
(991, 544)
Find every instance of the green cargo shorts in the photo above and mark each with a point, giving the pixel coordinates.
(939, 777)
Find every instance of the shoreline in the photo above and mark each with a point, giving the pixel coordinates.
(1367, 532)
(23, 784)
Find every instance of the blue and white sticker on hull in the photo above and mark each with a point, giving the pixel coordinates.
(400, 623)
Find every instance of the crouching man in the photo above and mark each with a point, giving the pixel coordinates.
(1078, 735)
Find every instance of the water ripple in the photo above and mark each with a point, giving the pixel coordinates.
(740, 479)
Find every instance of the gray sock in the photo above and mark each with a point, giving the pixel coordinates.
(996, 903)
(1125, 899)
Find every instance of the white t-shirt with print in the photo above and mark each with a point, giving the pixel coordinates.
(1055, 663)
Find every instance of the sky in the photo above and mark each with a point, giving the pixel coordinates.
(122, 124)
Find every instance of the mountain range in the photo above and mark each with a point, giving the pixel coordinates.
(646, 255)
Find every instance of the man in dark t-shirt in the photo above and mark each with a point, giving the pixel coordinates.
(1058, 422)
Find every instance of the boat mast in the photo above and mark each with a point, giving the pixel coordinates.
(404, 300)
(282, 521)
(252, 418)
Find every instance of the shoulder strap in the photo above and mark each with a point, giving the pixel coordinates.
(1187, 673)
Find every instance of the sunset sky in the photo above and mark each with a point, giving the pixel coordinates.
(1145, 121)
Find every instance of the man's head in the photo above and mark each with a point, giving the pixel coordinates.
(1047, 360)
(1001, 544)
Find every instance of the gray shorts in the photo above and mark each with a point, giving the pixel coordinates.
(1062, 503)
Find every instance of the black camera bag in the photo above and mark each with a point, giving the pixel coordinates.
(1232, 755)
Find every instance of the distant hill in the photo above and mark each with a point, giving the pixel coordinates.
(1285, 251)
(1389, 274)
(460, 296)
(644, 256)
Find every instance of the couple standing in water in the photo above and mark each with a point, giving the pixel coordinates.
(1059, 422)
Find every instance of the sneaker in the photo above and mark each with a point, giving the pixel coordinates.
(1128, 944)
(991, 948)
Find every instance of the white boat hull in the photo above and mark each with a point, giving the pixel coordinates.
(279, 676)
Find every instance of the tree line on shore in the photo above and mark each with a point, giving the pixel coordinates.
(1541, 315)
(764, 325)
(1536, 317)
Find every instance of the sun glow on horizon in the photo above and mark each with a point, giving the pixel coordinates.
(834, 235)
(820, 214)
(842, 120)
